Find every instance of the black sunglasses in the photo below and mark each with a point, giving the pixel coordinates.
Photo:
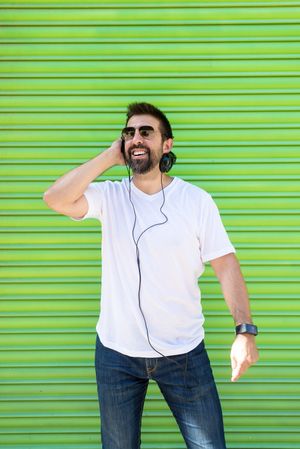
(146, 132)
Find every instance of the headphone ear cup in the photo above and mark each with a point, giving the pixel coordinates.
(166, 162)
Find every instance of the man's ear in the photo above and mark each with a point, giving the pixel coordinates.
(167, 145)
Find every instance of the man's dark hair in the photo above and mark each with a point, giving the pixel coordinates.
(149, 109)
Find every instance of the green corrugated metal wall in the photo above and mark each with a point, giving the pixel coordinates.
(227, 75)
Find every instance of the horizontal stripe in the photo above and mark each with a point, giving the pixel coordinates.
(145, 4)
(143, 50)
(210, 33)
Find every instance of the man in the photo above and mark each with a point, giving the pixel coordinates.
(157, 233)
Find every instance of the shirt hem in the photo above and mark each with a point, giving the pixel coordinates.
(152, 354)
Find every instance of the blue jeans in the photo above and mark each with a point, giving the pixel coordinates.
(188, 387)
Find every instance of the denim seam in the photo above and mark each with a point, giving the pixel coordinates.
(151, 369)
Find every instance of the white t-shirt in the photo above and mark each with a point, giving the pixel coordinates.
(172, 257)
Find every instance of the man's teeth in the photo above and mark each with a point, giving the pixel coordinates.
(138, 153)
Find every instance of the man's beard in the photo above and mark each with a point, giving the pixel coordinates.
(142, 165)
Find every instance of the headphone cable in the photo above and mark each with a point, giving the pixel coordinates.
(139, 267)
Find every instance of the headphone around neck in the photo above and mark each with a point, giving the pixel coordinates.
(166, 162)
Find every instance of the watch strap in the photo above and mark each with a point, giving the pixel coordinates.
(246, 328)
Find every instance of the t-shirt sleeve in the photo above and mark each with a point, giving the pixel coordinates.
(214, 240)
(95, 197)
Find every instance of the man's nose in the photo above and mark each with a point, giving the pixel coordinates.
(137, 138)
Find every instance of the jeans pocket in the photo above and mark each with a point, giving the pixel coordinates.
(200, 377)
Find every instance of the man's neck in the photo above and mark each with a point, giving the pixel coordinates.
(150, 183)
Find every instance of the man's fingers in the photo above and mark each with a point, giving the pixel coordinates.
(235, 369)
(236, 373)
(238, 370)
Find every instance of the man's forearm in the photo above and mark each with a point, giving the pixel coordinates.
(233, 286)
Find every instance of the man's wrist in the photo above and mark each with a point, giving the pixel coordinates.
(246, 328)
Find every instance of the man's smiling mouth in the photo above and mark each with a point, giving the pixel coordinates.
(138, 153)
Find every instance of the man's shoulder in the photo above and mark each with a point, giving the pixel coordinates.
(193, 189)
(108, 184)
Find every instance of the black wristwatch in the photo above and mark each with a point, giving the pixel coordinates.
(246, 328)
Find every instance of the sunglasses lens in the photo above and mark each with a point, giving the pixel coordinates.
(128, 133)
(146, 133)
